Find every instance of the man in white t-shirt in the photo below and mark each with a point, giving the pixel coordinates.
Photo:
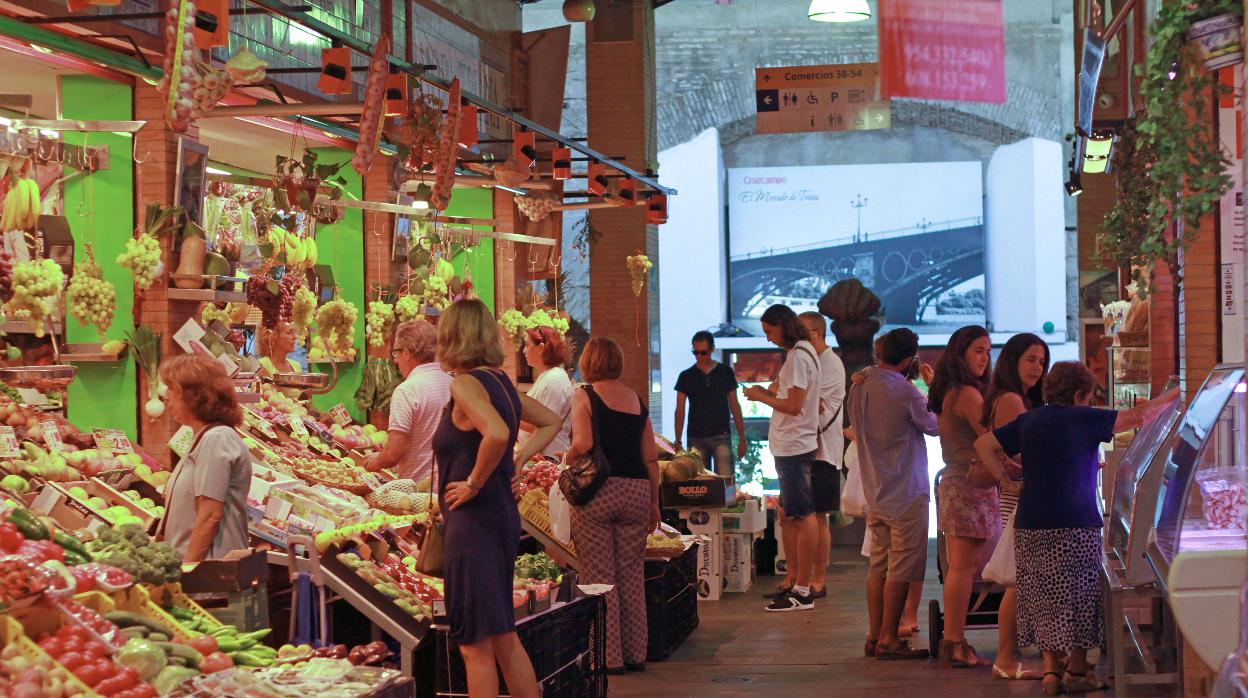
(825, 472)
(793, 439)
(417, 403)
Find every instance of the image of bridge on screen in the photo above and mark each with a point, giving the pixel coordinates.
(913, 233)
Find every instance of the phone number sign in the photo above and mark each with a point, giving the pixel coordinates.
(820, 98)
(943, 49)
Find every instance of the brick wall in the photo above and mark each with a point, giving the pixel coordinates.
(157, 147)
(1198, 316)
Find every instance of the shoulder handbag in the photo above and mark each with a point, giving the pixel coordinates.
(430, 557)
(978, 475)
(582, 479)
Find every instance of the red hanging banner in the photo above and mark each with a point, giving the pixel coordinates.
(468, 134)
(943, 49)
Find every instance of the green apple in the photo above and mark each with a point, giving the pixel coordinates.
(146, 503)
(142, 470)
(15, 483)
(124, 520)
(132, 495)
(79, 493)
(98, 503)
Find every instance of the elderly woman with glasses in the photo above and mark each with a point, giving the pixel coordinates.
(417, 403)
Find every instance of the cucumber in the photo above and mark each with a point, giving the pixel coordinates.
(158, 637)
(192, 657)
(70, 543)
(125, 619)
(30, 525)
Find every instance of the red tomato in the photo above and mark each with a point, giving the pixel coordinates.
(71, 660)
(105, 668)
(204, 644)
(217, 661)
(80, 632)
(95, 649)
(130, 674)
(10, 538)
(71, 644)
(52, 645)
(113, 686)
(89, 674)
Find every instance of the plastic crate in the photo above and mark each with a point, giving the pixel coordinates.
(13, 634)
(567, 646)
(671, 603)
(133, 600)
(172, 594)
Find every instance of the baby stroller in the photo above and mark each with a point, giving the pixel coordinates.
(985, 600)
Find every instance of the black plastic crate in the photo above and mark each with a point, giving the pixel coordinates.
(567, 645)
(671, 603)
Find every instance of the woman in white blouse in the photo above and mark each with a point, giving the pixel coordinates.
(545, 351)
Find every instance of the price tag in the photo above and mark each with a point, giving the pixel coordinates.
(324, 524)
(339, 414)
(52, 436)
(370, 480)
(8, 443)
(181, 441)
(259, 423)
(112, 441)
(296, 426)
(277, 509)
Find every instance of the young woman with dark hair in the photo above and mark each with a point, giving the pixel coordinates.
(967, 514)
(1017, 386)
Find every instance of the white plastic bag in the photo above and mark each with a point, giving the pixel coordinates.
(1001, 566)
(560, 515)
(853, 499)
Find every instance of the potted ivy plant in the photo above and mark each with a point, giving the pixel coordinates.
(301, 179)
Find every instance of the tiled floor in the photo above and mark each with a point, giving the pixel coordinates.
(738, 650)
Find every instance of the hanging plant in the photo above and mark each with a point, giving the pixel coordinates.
(300, 180)
(1173, 170)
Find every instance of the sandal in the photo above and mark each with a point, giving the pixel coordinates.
(1019, 673)
(868, 648)
(908, 632)
(947, 660)
(1083, 683)
(902, 650)
(1053, 688)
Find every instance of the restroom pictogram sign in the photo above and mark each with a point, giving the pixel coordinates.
(820, 98)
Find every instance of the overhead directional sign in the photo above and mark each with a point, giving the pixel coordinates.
(820, 98)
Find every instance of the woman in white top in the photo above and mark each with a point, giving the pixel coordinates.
(545, 351)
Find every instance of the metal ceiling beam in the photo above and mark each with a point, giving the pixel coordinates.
(122, 16)
(325, 30)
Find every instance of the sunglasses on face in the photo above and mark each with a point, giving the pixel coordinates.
(699, 352)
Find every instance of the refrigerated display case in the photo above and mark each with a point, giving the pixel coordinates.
(1199, 552)
(1134, 500)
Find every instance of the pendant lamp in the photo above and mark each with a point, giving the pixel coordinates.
(839, 10)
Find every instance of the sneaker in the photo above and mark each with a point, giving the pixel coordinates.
(791, 601)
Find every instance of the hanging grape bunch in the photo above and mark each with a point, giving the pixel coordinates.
(237, 338)
(261, 297)
(408, 308)
(142, 258)
(638, 267)
(6, 275)
(335, 322)
(303, 310)
(36, 292)
(92, 300)
(213, 312)
(378, 323)
(289, 284)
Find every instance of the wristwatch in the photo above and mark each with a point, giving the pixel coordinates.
(468, 481)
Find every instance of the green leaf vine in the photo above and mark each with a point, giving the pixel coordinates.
(1170, 164)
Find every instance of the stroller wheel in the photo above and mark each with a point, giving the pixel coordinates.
(935, 627)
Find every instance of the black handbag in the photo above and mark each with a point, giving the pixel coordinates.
(581, 480)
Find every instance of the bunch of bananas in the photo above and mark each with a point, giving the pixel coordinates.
(21, 206)
(298, 252)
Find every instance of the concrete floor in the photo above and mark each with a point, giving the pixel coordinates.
(739, 650)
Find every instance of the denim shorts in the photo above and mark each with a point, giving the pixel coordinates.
(797, 496)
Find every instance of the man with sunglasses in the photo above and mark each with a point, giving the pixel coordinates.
(711, 389)
(416, 405)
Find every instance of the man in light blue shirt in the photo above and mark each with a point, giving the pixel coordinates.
(890, 418)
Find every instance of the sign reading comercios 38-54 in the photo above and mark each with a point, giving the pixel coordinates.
(820, 98)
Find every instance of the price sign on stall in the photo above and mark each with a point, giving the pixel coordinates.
(112, 441)
(339, 414)
(296, 426)
(52, 436)
(8, 443)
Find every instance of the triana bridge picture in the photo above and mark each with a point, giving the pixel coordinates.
(913, 233)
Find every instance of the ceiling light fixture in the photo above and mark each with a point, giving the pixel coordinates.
(217, 171)
(838, 11)
(420, 197)
(1098, 151)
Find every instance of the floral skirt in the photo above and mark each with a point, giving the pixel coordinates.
(966, 511)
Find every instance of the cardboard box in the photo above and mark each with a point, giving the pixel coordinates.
(738, 561)
(241, 570)
(702, 492)
(753, 519)
(703, 521)
(710, 566)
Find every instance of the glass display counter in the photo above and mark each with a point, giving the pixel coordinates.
(1199, 552)
(1134, 501)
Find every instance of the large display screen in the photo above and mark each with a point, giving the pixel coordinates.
(913, 233)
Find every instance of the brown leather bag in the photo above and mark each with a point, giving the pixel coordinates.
(431, 557)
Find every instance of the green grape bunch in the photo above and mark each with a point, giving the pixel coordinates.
(409, 308)
(335, 321)
(214, 313)
(37, 286)
(142, 258)
(378, 323)
(437, 293)
(303, 310)
(92, 299)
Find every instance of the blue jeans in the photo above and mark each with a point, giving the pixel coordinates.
(717, 449)
(797, 495)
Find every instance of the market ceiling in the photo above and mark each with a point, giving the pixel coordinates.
(119, 41)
